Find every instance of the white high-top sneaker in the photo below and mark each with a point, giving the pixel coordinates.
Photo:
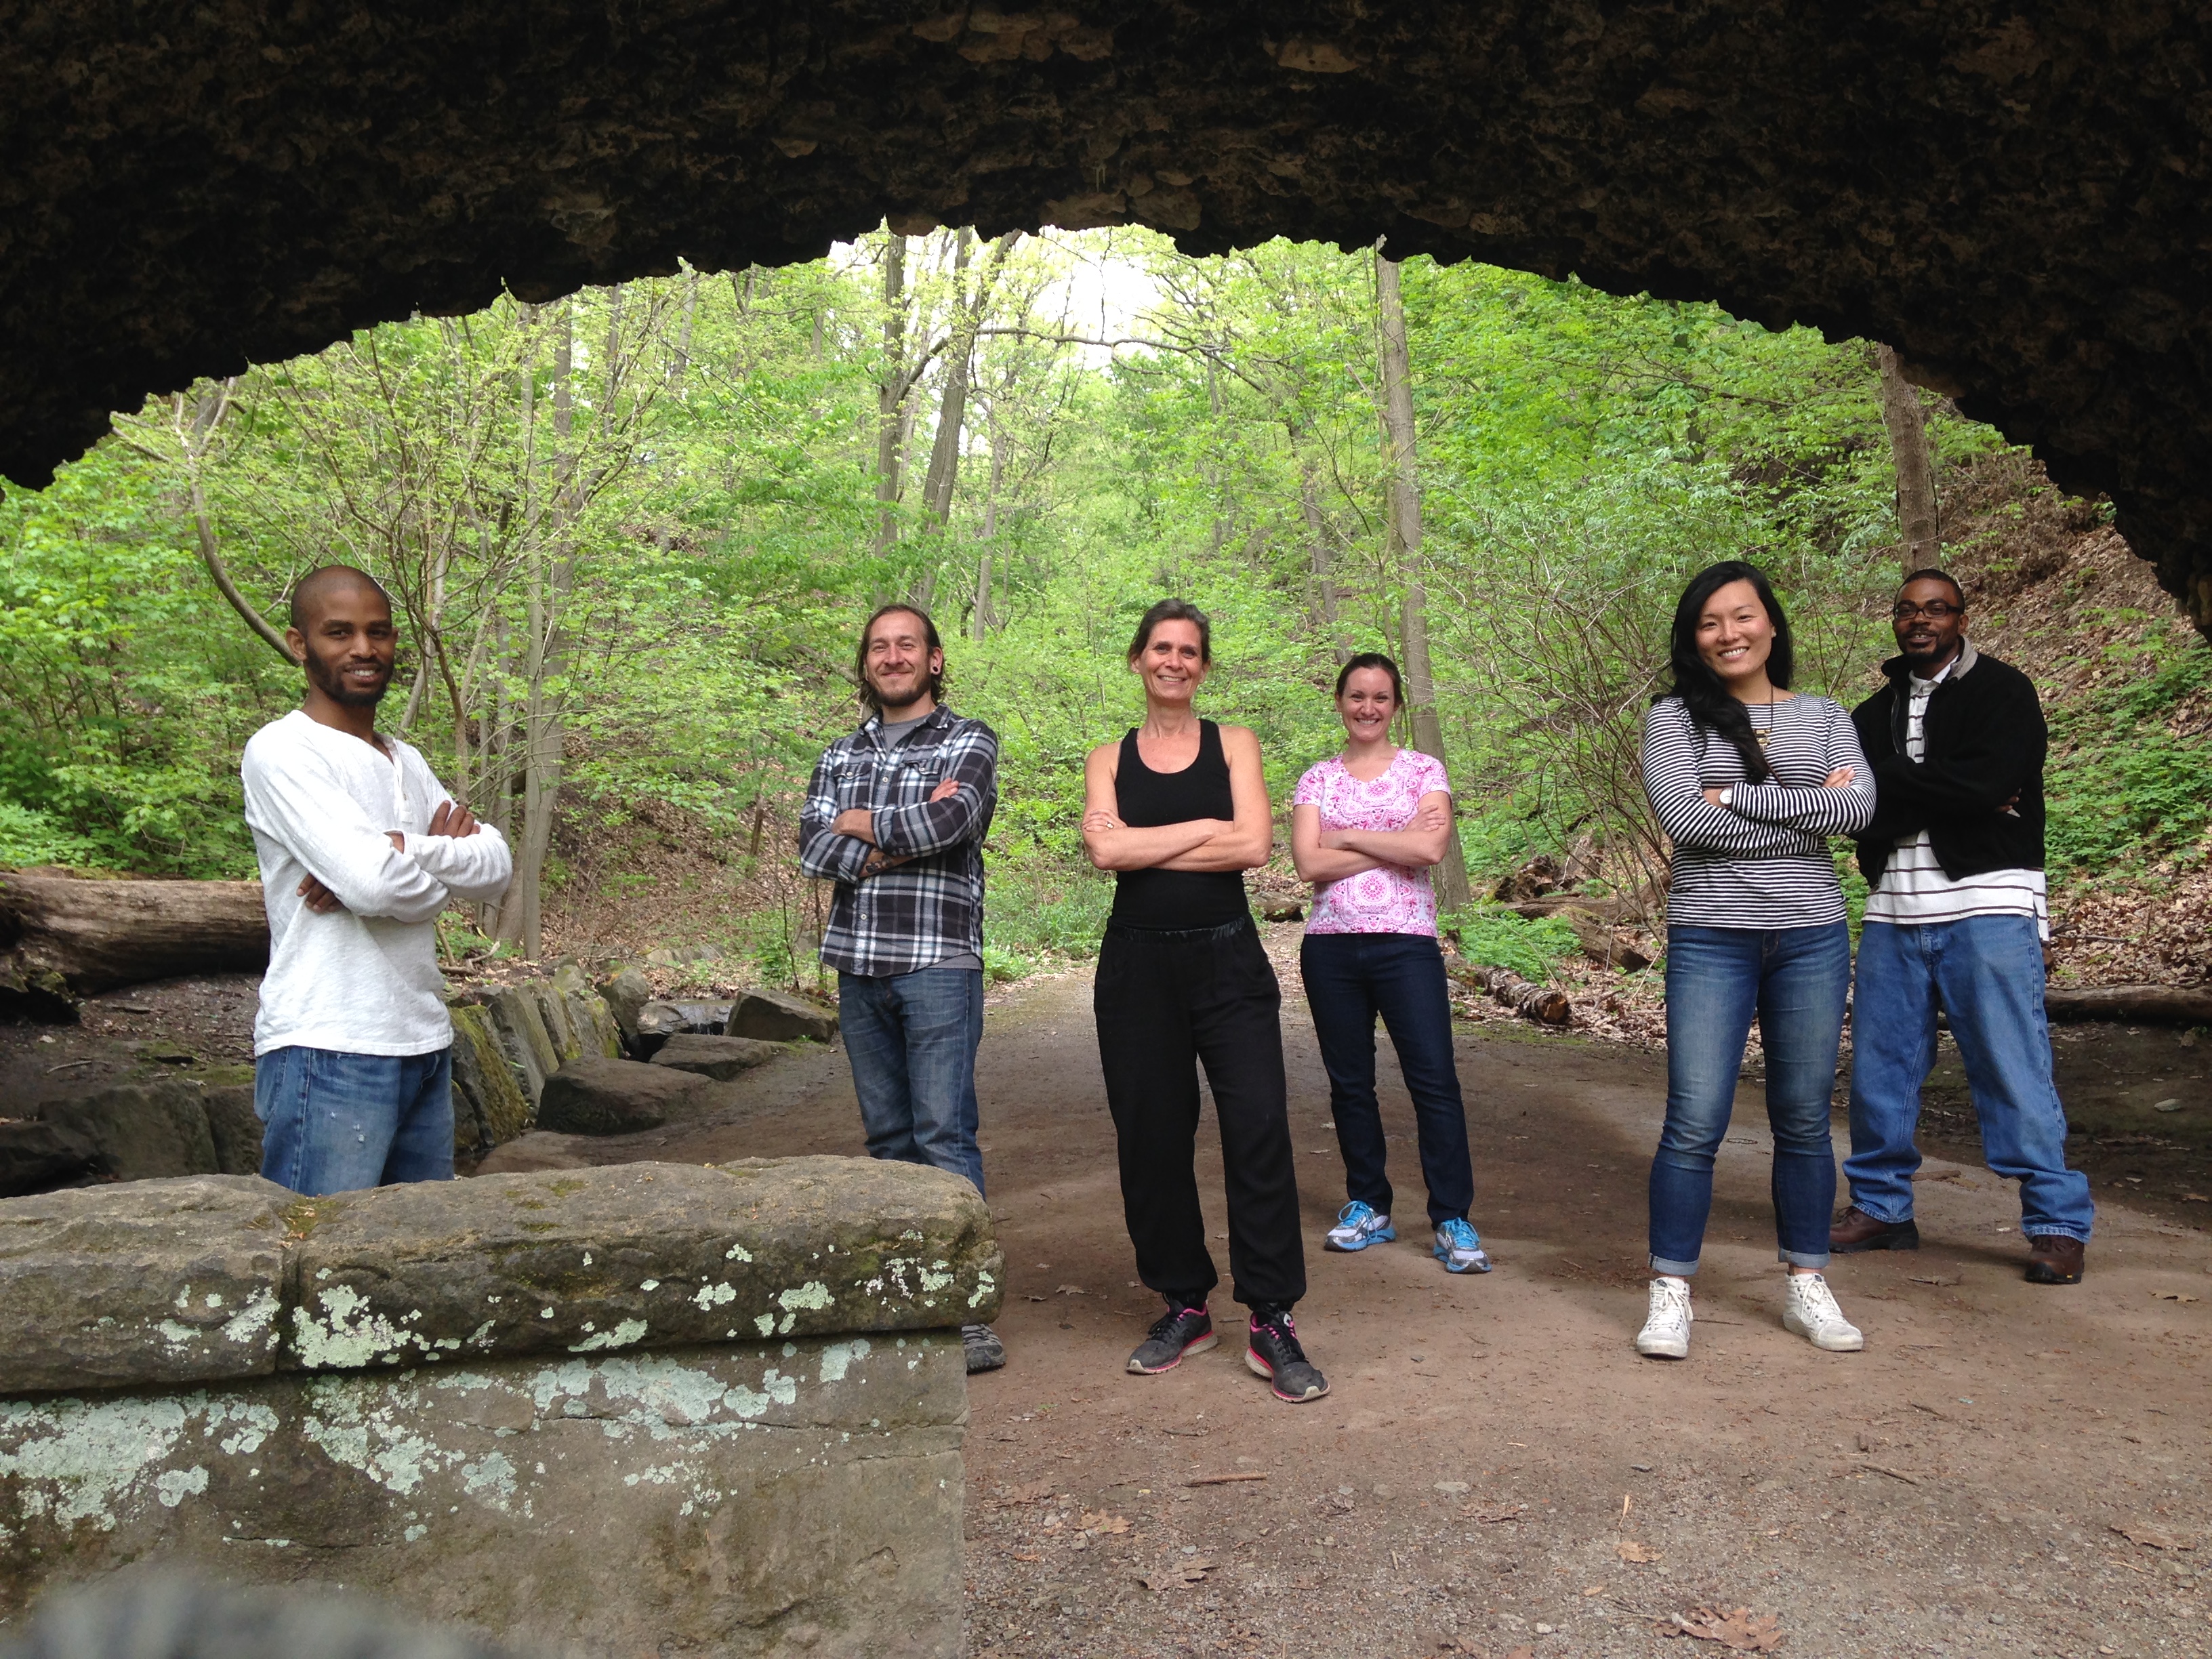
(1811, 1313)
(1666, 1332)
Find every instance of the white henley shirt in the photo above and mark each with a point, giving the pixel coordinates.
(364, 980)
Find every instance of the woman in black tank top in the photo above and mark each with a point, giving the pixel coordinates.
(1178, 811)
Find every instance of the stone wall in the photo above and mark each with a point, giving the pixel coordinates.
(653, 1408)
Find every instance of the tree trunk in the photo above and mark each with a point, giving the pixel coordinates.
(1901, 413)
(980, 615)
(62, 938)
(891, 396)
(1404, 522)
(1323, 561)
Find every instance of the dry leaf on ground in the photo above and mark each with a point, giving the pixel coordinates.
(1030, 1492)
(2151, 1539)
(1629, 1550)
(1099, 1521)
(1491, 1517)
(1177, 1574)
(1736, 1628)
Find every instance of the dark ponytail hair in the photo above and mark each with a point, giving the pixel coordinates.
(1372, 660)
(1710, 706)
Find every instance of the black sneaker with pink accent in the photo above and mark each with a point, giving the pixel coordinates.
(1274, 1354)
(1178, 1332)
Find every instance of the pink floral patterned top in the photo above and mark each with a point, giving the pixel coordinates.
(1391, 900)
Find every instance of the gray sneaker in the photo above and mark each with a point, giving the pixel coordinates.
(985, 1352)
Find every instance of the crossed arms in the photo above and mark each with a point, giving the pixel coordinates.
(353, 864)
(1243, 843)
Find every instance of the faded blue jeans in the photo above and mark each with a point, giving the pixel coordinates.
(912, 1040)
(1986, 972)
(1794, 979)
(334, 1122)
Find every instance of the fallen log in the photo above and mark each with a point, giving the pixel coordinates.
(1538, 1002)
(1593, 931)
(2140, 1005)
(62, 937)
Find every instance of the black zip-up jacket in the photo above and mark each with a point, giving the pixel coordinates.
(1984, 739)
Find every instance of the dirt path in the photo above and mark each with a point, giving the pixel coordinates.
(1495, 1467)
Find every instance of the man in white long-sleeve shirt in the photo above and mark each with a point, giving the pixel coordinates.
(361, 847)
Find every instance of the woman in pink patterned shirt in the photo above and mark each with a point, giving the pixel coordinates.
(1365, 827)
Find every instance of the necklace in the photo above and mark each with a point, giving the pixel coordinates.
(1766, 737)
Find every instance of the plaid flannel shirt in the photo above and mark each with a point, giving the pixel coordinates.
(908, 915)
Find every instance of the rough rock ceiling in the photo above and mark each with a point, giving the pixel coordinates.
(2014, 195)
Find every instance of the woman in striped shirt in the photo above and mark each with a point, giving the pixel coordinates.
(1749, 781)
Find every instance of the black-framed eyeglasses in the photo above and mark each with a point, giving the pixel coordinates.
(1935, 609)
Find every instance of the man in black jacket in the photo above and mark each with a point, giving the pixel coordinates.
(1955, 922)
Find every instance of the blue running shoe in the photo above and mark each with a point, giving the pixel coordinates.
(1459, 1246)
(1357, 1226)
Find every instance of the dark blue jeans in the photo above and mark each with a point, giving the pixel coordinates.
(337, 1123)
(912, 1040)
(1350, 978)
(1794, 979)
(1986, 972)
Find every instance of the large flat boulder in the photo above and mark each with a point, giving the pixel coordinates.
(718, 1057)
(638, 1255)
(594, 1096)
(141, 1131)
(779, 1016)
(152, 1281)
(657, 1022)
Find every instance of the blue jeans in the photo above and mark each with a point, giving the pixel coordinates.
(1350, 978)
(337, 1123)
(1986, 972)
(912, 1040)
(1794, 979)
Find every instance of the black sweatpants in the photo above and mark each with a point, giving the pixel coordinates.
(1165, 1002)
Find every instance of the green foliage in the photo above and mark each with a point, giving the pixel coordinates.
(2114, 806)
(1531, 947)
(651, 514)
(1003, 967)
(1040, 908)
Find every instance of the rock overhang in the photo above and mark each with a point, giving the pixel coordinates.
(2015, 197)
(201, 1279)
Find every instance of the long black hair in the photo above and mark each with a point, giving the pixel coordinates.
(1710, 705)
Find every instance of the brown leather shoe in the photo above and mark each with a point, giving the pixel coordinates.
(2054, 1258)
(1855, 1231)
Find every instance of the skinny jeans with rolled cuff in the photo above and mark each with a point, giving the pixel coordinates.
(1350, 978)
(1167, 1002)
(1794, 981)
(1986, 972)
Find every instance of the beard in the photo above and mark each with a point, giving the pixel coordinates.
(333, 685)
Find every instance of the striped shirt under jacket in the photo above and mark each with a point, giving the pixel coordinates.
(1914, 891)
(1763, 862)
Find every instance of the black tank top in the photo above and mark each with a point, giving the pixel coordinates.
(1175, 899)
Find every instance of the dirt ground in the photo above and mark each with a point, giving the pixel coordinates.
(1495, 1469)
(2007, 1469)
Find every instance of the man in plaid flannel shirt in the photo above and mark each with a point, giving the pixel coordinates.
(895, 815)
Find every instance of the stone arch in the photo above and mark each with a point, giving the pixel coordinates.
(2014, 195)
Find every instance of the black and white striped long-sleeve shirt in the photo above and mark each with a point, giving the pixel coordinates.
(1764, 860)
